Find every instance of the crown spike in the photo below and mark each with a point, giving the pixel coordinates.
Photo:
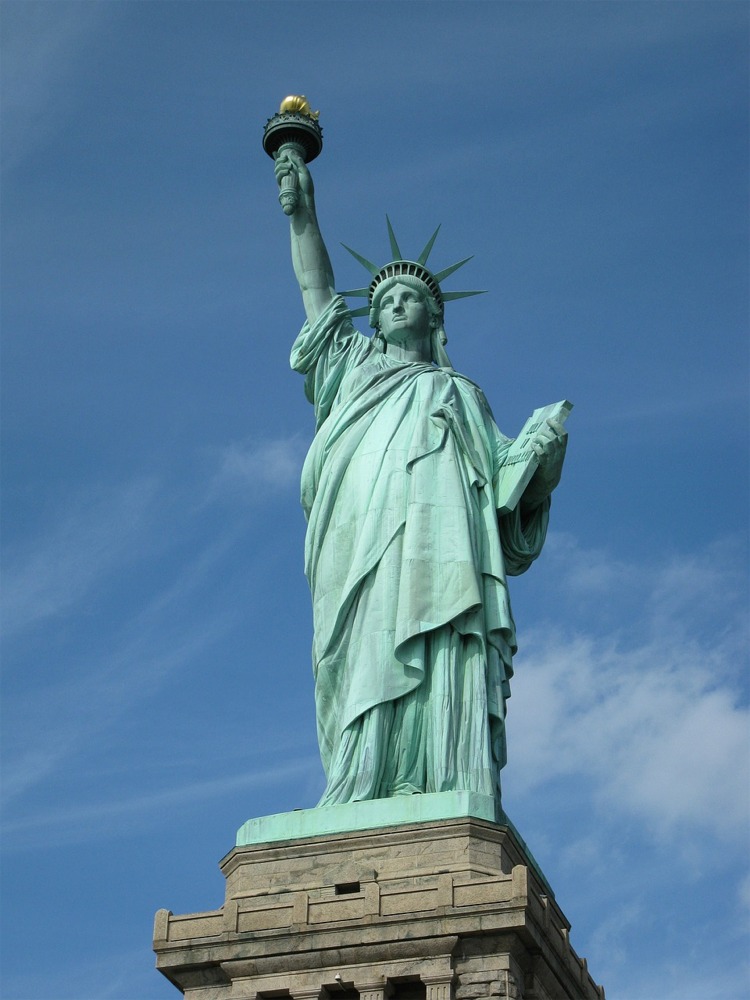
(449, 270)
(367, 264)
(422, 259)
(397, 255)
(412, 268)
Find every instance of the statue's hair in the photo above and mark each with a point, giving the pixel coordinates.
(438, 338)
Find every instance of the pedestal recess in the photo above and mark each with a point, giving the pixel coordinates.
(448, 909)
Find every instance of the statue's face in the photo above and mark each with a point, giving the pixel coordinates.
(403, 315)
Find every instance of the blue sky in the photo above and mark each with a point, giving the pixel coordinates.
(157, 686)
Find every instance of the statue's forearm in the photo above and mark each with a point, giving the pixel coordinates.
(312, 265)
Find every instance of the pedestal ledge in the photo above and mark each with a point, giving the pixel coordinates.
(446, 909)
(379, 814)
(368, 815)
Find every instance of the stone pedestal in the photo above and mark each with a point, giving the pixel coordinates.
(450, 909)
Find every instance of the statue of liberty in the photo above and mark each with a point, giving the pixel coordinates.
(407, 554)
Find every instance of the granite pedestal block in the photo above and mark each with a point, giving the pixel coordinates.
(447, 909)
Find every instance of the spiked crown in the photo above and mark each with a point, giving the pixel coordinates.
(401, 266)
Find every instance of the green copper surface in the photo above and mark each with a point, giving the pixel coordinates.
(370, 814)
(407, 551)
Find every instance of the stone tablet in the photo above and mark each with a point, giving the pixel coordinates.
(521, 462)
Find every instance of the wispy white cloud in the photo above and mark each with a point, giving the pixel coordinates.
(651, 713)
(250, 468)
(82, 822)
(629, 746)
(145, 547)
(103, 529)
(52, 723)
(687, 979)
(96, 532)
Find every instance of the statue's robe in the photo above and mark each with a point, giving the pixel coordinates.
(407, 559)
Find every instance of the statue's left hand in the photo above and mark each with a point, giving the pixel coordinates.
(549, 445)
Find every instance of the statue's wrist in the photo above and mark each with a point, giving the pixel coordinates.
(304, 218)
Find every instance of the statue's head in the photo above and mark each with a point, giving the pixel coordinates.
(434, 310)
(434, 307)
(414, 274)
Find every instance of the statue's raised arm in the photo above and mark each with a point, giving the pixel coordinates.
(293, 137)
(312, 265)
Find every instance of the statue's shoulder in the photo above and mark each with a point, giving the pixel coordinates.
(470, 387)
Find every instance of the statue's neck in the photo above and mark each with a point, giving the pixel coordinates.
(405, 353)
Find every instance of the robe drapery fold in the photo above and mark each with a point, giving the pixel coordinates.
(407, 561)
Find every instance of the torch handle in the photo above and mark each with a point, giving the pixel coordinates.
(289, 183)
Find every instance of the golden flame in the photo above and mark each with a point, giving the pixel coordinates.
(298, 102)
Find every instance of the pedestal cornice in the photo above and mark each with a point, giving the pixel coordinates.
(430, 903)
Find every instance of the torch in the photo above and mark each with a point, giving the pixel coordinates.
(293, 128)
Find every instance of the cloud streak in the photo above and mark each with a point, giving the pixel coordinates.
(248, 469)
(82, 822)
(652, 714)
(143, 556)
(102, 530)
(99, 532)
